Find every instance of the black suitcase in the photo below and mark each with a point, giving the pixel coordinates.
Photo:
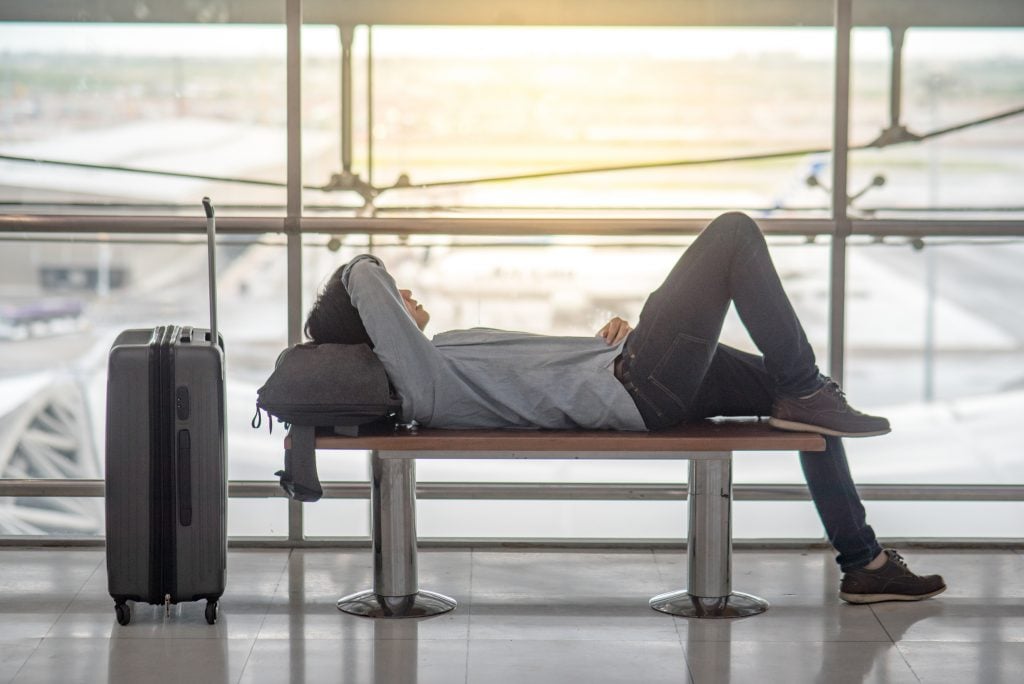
(166, 470)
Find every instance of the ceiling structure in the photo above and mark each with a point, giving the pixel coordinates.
(917, 13)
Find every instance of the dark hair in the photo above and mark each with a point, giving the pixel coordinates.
(333, 318)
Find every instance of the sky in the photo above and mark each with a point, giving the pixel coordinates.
(168, 40)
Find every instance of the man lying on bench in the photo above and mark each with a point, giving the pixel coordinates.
(668, 370)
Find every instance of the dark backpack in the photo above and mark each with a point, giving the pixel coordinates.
(329, 385)
(339, 386)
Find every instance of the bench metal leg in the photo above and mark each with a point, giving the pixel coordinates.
(395, 592)
(709, 549)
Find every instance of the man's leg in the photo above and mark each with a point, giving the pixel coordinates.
(738, 384)
(839, 506)
(666, 357)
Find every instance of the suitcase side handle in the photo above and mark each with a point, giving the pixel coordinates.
(184, 478)
(211, 250)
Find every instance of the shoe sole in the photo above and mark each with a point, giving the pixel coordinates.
(806, 427)
(879, 598)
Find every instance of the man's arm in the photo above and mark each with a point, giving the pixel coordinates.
(410, 359)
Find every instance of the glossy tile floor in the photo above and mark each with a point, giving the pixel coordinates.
(535, 617)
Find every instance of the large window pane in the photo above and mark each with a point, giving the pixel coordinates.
(973, 172)
(936, 345)
(179, 99)
(63, 302)
(206, 100)
(472, 103)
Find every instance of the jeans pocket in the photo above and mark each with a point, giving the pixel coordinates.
(678, 374)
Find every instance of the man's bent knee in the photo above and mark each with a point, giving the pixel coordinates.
(735, 220)
(737, 224)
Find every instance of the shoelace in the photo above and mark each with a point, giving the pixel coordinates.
(896, 558)
(833, 387)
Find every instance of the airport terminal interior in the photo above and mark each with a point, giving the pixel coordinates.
(168, 169)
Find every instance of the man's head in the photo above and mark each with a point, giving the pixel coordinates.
(415, 309)
(333, 318)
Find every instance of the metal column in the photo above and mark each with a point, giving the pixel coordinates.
(369, 105)
(709, 549)
(395, 592)
(896, 35)
(346, 34)
(293, 219)
(840, 134)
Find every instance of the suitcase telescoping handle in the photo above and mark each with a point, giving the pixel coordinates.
(211, 249)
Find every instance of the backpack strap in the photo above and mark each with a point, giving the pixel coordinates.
(299, 478)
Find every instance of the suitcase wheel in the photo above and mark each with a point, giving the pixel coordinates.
(211, 612)
(124, 613)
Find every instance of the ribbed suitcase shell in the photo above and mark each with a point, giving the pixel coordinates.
(166, 474)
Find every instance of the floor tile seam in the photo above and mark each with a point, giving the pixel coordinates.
(881, 624)
(157, 637)
(469, 620)
(792, 641)
(347, 639)
(957, 642)
(248, 656)
(657, 565)
(686, 659)
(1013, 596)
(909, 666)
(560, 641)
(339, 640)
(560, 598)
(108, 640)
(270, 602)
(74, 598)
(21, 667)
(601, 638)
(675, 623)
(961, 641)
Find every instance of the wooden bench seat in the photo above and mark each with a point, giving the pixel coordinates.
(716, 436)
(708, 446)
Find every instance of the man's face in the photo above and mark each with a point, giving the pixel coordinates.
(415, 309)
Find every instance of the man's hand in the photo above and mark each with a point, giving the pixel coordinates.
(614, 331)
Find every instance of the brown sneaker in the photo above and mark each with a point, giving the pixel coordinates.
(892, 582)
(825, 411)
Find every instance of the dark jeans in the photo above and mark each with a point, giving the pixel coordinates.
(675, 369)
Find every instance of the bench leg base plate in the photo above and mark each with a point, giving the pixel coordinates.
(421, 604)
(735, 605)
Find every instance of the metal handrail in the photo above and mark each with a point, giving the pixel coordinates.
(536, 491)
(420, 226)
(546, 543)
